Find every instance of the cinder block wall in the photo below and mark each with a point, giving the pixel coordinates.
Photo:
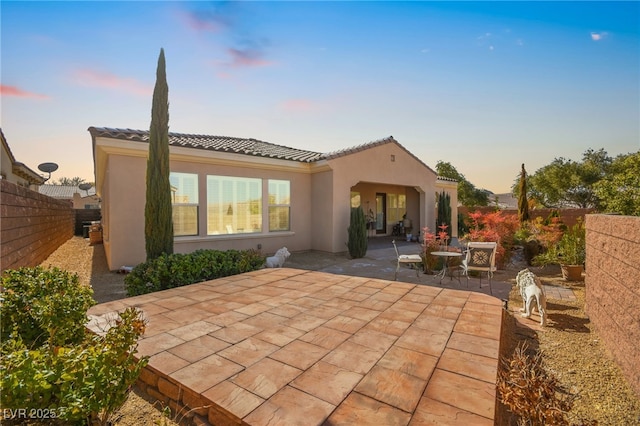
(32, 226)
(613, 288)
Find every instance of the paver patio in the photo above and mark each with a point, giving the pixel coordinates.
(290, 346)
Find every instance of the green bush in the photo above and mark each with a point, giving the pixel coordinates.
(176, 270)
(50, 363)
(357, 231)
(44, 305)
(74, 383)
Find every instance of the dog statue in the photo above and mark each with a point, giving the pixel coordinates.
(277, 260)
(531, 288)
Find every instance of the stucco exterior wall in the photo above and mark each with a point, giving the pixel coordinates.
(123, 200)
(319, 191)
(123, 191)
(613, 288)
(322, 211)
(383, 164)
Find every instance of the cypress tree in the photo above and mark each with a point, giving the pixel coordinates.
(158, 227)
(444, 211)
(523, 203)
(357, 243)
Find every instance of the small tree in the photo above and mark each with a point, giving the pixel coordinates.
(523, 202)
(158, 229)
(357, 243)
(444, 210)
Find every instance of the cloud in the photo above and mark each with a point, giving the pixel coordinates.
(298, 105)
(93, 78)
(595, 36)
(19, 93)
(249, 58)
(205, 21)
(231, 24)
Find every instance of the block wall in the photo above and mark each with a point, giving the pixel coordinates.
(613, 288)
(32, 226)
(188, 408)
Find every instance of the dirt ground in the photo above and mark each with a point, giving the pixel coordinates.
(573, 352)
(570, 346)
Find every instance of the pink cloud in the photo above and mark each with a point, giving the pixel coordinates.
(298, 105)
(200, 22)
(248, 58)
(92, 78)
(17, 92)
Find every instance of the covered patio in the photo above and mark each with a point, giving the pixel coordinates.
(293, 346)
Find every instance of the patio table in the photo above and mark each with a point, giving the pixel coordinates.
(446, 255)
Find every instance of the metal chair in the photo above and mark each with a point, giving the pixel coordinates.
(413, 259)
(480, 256)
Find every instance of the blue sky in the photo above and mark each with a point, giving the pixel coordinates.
(485, 86)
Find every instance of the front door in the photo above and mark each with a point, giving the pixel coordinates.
(381, 213)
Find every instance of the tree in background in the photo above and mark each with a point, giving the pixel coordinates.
(523, 202)
(357, 242)
(158, 229)
(74, 181)
(468, 194)
(568, 183)
(619, 190)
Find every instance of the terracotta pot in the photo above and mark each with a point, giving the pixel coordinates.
(572, 272)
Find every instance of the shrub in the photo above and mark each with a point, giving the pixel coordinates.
(44, 305)
(50, 363)
(495, 226)
(429, 244)
(76, 382)
(357, 242)
(176, 270)
(532, 393)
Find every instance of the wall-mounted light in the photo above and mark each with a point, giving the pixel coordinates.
(393, 158)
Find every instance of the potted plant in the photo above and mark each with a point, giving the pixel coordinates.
(569, 253)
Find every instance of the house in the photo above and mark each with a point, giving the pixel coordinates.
(15, 171)
(235, 193)
(79, 198)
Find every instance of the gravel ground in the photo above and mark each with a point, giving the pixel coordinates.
(573, 352)
(89, 262)
(570, 346)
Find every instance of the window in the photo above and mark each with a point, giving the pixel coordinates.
(279, 205)
(234, 205)
(396, 207)
(184, 201)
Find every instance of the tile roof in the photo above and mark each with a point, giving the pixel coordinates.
(215, 143)
(241, 145)
(18, 168)
(64, 191)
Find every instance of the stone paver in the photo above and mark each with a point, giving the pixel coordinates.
(290, 346)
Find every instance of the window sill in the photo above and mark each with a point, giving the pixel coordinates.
(229, 237)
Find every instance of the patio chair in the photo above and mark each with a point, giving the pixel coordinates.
(413, 259)
(480, 256)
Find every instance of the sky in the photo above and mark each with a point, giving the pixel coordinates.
(484, 86)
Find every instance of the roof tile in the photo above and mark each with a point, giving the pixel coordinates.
(215, 143)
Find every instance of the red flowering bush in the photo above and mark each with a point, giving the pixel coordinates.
(495, 226)
(429, 243)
